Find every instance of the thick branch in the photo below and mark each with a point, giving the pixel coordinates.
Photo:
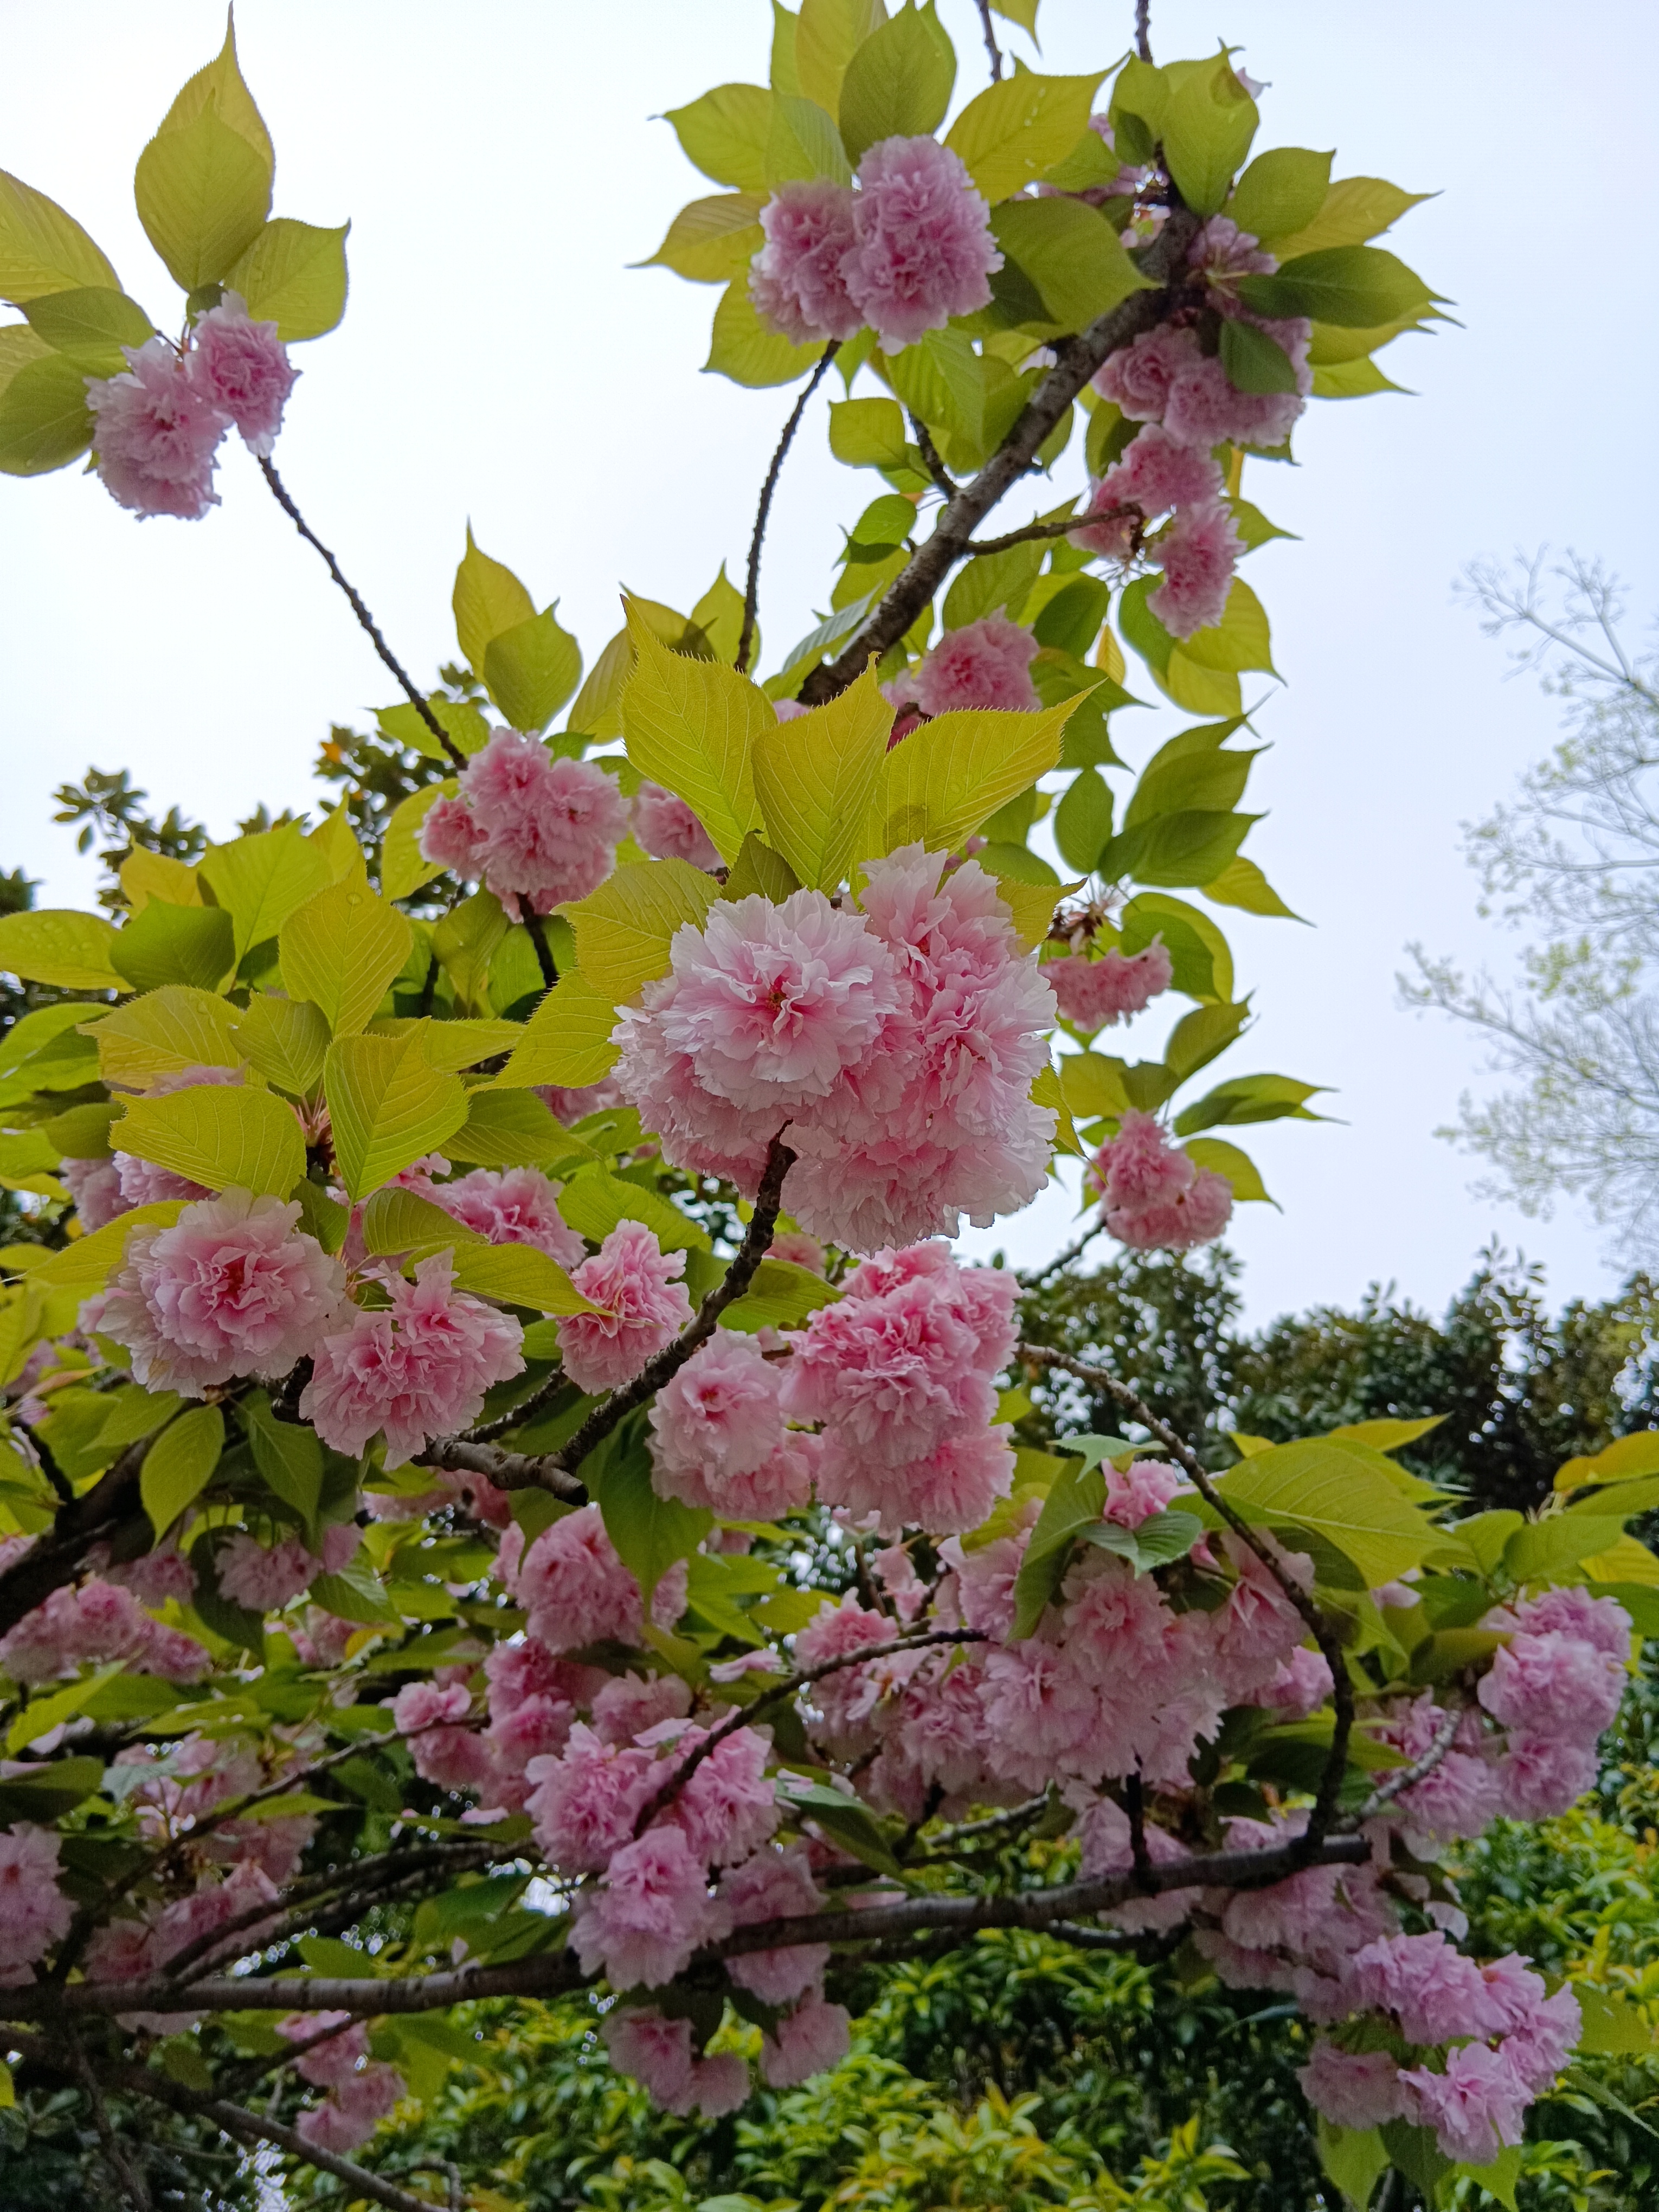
(417, 700)
(1076, 361)
(254, 2127)
(1330, 1782)
(544, 961)
(943, 480)
(752, 595)
(55, 1558)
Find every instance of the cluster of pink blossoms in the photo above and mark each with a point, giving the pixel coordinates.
(533, 826)
(907, 249)
(669, 829)
(893, 1050)
(1097, 994)
(159, 425)
(101, 1621)
(508, 1206)
(103, 1190)
(1155, 1196)
(1189, 404)
(334, 2057)
(984, 663)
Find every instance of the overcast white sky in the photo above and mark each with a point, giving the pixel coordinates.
(499, 361)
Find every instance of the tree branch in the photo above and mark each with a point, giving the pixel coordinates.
(417, 700)
(1073, 1251)
(1143, 31)
(1330, 1782)
(253, 2127)
(54, 1559)
(991, 47)
(1076, 361)
(752, 595)
(943, 480)
(1407, 1777)
(537, 929)
(1032, 532)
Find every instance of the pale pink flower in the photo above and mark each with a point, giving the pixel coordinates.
(233, 1288)
(655, 2051)
(567, 1105)
(353, 2109)
(984, 663)
(800, 1250)
(795, 281)
(1352, 2089)
(1258, 1627)
(1137, 378)
(719, 2085)
(1462, 1794)
(887, 1191)
(1204, 409)
(1475, 2107)
(718, 1417)
(265, 1578)
(628, 1705)
(98, 1622)
(835, 1631)
(585, 1803)
(1434, 1992)
(1108, 1843)
(1041, 1713)
(1140, 1167)
(1198, 554)
(726, 1805)
(1157, 471)
(1540, 1777)
(946, 1490)
(243, 368)
(1197, 1217)
(532, 825)
(1143, 1488)
(808, 2040)
(1553, 1684)
(667, 829)
(157, 1576)
(775, 1885)
(1544, 2036)
(156, 434)
(574, 1588)
(895, 1570)
(924, 248)
(419, 1370)
(142, 1183)
(650, 1913)
(631, 1281)
(1572, 1611)
(1298, 1686)
(95, 1187)
(330, 2063)
(983, 1582)
(35, 1913)
(1098, 994)
(512, 1205)
(1222, 249)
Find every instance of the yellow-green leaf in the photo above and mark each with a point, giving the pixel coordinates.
(624, 928)
(42, 248)
(520, 1275)
(87, 1263)
(593, 1202)
(45, 422)
(179, 1464)
(951, 774)
(1356, 209)
(203, 193)
(1621, 1461)
(56, 944)
(286, 1040)
(724, 133)
(748, 350)
(403, 1222)
(511, 1129)
(816, 777)
(146, 876)
(222, 87)
(225, 1136)
(596, 710)
(1030, 904)
(294, 274)
(488, 598)
(261, 878)
(1019, 128)
(341, 950)
(1070, 253)
(1333, 1491)
(403, 868)
(1240, 1171)
(1382, 1436)
(530, 669)
(41, 1715)
(387, 1105)
(713, 240)
(567, 1041)
(90, 325)
(454, 1045)
(465, 943)
(828, 33)
(165, 1032)
(1241, 884)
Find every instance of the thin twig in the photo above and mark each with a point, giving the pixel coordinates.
(1032, 532)
(1330, 1782)
(991, 47)
(751, 596)
(1407, 1777)
(1073, 1251)
(943, 480)
(483, 1432)
(360, 2181)
(537, 928)
(1143, 30)
(129, 2180)
(417, 699)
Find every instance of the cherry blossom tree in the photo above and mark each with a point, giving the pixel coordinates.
(509, 1490)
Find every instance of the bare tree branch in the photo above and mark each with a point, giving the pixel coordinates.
(752, 595)
(1143, 30)
(991, 47)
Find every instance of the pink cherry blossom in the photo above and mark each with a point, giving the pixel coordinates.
(95, 1187)
(35, 1913)
(1297, 1688)
(1553, 1684)
(100, 1622)
(775, 1885)
(512, 1205)
(1140, 1167)
(629, 1704)
(924, 248)
(157, 1576)
(265, 1578)
(655, 2051)
(640, 1308)
(1601, 1622)
(1433, 1991)
(1137, 378)
(726, 1807)
(719, 1416)
(421, 1369)
(532, 825)
(1098, 994)
(1544, 2036)
(233, 1288)
(1540, 1777)
(808, 2040)
(1157, 471)
(326, 2064)
(1203, 408)
(800, 1250)
(1353, 2088)
(1475, 2107)
(156, 434)
(1221, 249)
(947, 1489)
(984, 663)
(586, 1802)
(567, 1105)
(1198, 554)
(142, 1183)
(242, 367)
(652, 1911)
(667, 829)
(796, 280)
(574, 1588)
(353, 2109)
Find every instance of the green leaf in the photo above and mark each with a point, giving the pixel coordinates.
(91, 326)
(1074, 1502)
(45, 422)
(1158, 1540)
(1198, 1037)
(286, 1040)
(1202, 962)
(1083, 820)
(1241, 884)
(898, 83)
(1613, 2029)
(179, 1464)
(294, 274)
(593, 1203)
(510, 1128)
(221, 86)
(815, 780)
(60, 1787)
(88, 1262)
(1249, 1098)
(1182, 776)
(287, 1454)
(624, 928)
(1343, 1494)
(1354, 286)
(713, 240)
(1352, 380)
(465, 943)
(464, 726)
(949, 775)
(1240, 1171)
(1240, 640)
(402, 1222)
(41, 1715)
(1208, 123)
(341, 950)
(203, 194)
(387, 1104)
(1189, 847)
(530, 669)
(690, 725)
(1281, 192)
(941, 380)
(521, 1275)
(355, 1594)
(260, 879)
(1354, 209)
(164, 1033)
(1070, 256)
(55, 944)
(828, 34)
(780, 1296)
(1011, 133)
(403, 868)
(488, 599)
(649, 1533)
(746, 350)
(1069, 621)
(997, 580)
(761, 871)
(1253, 360)
(42, 249)
(1384, 1435)
(453, 1045)
(80, 1132)
(803, 143)
(1622, 1460)
(868, 433)
(847, 1823)
(1544, 1551)
(724, 133)
(225, 1136)
(567, 1041)
(187, 945)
